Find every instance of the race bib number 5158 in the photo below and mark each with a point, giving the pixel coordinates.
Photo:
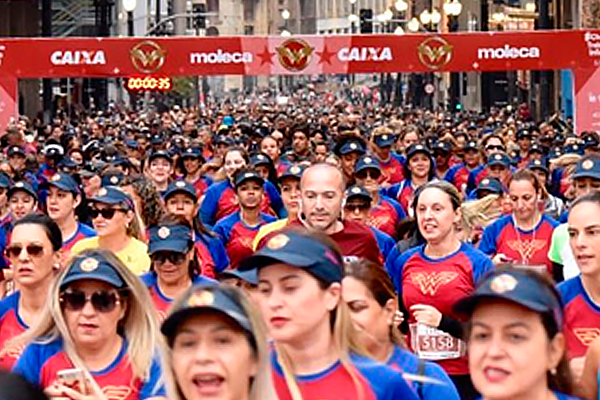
(432, 344)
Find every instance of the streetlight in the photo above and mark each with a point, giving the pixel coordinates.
(453, 8)
(353, 18)
(286, 33)
(285, 14)
(399, 30)
(401, 5)
(425, 17)
(129, 7)
(436, 17)
(413, 25)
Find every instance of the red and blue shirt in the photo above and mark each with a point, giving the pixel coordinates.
(237, 237)
(377, 382)
(386, 215)
(11, 325)
(458, 175)
(161, 302)
(522, 247)
(83, 231)
(211, 255)
(392, 170)
(40, 364)
(220, 201)
(403, 193)
(582, 317)
(439, 283)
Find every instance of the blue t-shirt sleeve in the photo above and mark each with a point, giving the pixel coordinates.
(434, 391)
(29, 365)
(488, 240)
(275, 200)
(208, 210)
(398, 208)
(399, 389)
(218, 253)
(154, 385)
(222, 230)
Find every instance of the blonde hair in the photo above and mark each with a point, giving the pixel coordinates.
(139, 325)
(262, 385)
(481, 212)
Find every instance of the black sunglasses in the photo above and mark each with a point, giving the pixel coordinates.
(103, 301)
(494, 147)
(173, 257)
(34, 250)
(354, 207)
(373, 174)
(107, 213)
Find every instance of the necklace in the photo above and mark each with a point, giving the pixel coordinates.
(525, 248)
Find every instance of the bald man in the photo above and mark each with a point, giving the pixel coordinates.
(322, 194)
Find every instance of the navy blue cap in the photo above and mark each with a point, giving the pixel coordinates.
(206, 297)
(260, 159)
(499, 159)
(555, 152)
(384, 140)
(112, 195)
(132, 144)
(293, 171)
(23, 186)
(112, 179)
(491, 185)
(352, 146)
(590, 141)
(175, 238)
(587, 167)
(12, 150)
(223, 139)
(248, 175)
(357, 191)
(5, 181)
(471, 145)
(157, 139)
(515, 286)
(92, 266)
(192, 152)
(53, 150)
(536, 148)
(250, 276)
(64, 182)
(417, 148)
(573, 148)
(160, 154)
(366, 162)
(180, 187)
(67, 163)
(538, 164)
(442, 146)
(523, 133)
(298, 250)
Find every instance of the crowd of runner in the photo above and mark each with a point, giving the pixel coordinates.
(313, 250)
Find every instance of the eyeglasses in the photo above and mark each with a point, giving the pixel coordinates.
(34, 250)
(494, 147)
(107, 213)
(173, 257)
(103, 301)
(354, 207)
(373, 174)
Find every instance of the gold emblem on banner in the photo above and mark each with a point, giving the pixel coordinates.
(435, 52)
(148, 56)
(294, 54)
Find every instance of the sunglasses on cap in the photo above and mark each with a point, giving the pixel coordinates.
(13, 251)
(107, 213)
(173, 257)
(103, 301)
(494, 147)
(373, 174)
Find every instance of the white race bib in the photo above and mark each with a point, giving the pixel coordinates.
(433, 344)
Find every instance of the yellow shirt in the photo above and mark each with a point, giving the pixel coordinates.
(134, 256)
(267, 229)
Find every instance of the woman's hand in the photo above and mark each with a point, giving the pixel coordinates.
(501, 258)
(427, 315)
(59, 391)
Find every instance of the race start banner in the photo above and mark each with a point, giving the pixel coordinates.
(576, 50)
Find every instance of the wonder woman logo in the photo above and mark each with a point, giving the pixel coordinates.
(586, 335)
(429, 283)
(379, 220)
(116, 392)
(526, 249)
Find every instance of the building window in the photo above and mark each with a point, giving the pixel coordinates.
(212, 6)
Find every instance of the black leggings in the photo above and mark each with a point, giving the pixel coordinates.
(465, 387)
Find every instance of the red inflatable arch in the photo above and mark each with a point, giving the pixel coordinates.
(577, 50)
